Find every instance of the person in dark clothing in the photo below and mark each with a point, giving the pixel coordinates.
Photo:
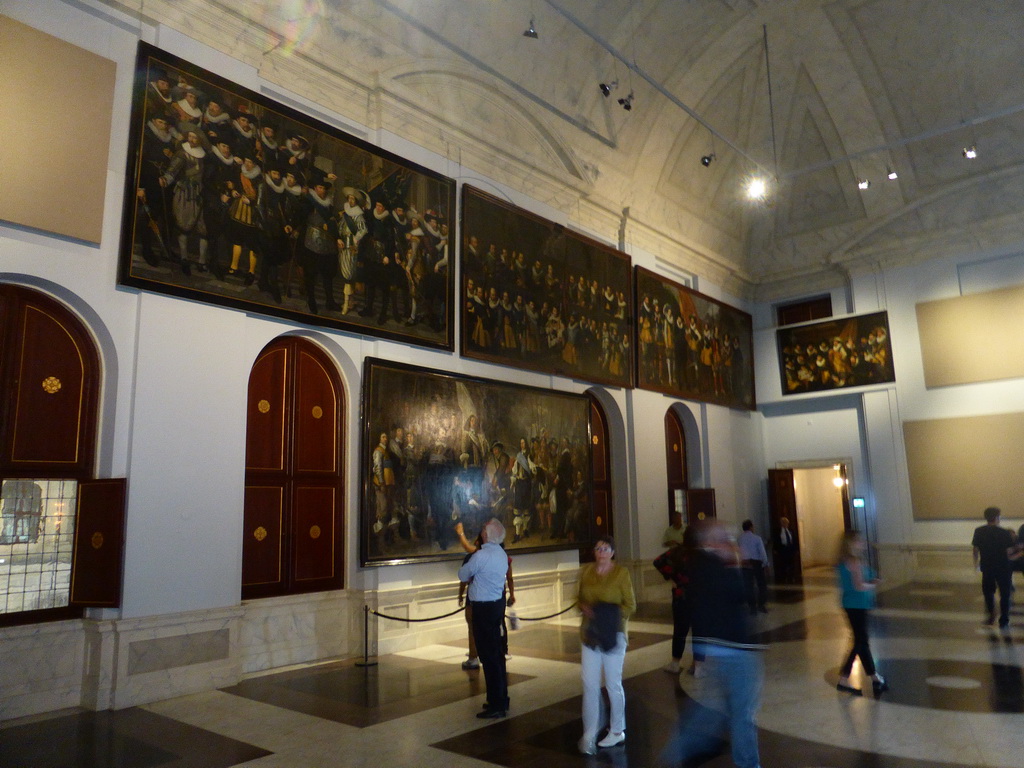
(673, 565)
(994, 550)
(722, 632)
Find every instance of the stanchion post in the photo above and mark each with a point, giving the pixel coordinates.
(366, 640)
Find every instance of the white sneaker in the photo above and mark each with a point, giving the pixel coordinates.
(612, 739)
(587, 746)
(672, 667)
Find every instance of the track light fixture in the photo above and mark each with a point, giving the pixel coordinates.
(531, 31)
(891, 175)
(607, 88)
(971, 152)
(863, 184)
(627, 102)
(707, 160)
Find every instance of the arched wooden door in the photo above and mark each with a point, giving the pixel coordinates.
(675, 465)
(294, 522)
(600, 457)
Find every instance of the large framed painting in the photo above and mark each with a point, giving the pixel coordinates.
(538, 296)
(235, 199)
(692, 346)
(440, 449)
(835, 354)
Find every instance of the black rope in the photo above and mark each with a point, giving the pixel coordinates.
(462, 608)
(542, 618)
(432, 618)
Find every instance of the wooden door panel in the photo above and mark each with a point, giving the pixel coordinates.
(675, 451)
(50, 395)
(262, 546)
(267, 413)
(782, 503)
(99, 543)
(313, 512)
(700, 504)
(316, 417)
(598, 443)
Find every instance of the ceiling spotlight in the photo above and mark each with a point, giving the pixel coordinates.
(530, 31)
(863, 184)
(627, 103)
(707, 160)
(757, 189)
(607, 88)
(891, 175)
(970, 152)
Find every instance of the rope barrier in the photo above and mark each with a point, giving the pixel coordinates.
(462, 608)
(432, 618)
(542, 618)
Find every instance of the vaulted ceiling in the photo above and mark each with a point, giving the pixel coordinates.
(856, 87)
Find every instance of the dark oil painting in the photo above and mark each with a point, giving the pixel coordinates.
(235, 199)
(441, 449)
(537, 296)
(692, 346)
(836, 354)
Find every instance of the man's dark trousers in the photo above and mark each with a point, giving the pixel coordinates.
(487, 622)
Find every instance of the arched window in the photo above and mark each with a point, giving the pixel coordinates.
(61, 532)
(294, 528)
(675, 464)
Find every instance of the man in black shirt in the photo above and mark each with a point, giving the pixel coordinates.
(993, 549)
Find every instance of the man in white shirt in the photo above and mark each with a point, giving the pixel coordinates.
(755, 561)
(485, 573)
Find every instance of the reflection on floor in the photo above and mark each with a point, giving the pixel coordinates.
(957, 700)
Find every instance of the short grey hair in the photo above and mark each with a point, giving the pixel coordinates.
(495, 531)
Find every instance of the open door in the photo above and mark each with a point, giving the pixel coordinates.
(99, 543)
(782, 503)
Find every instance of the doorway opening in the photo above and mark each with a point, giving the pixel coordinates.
(816, 502)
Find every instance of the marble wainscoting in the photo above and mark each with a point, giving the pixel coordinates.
(140, 660)
(296, 629)
(537, 594)
(901, 563)
(40, 668)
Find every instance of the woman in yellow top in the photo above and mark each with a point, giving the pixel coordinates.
(606, 601)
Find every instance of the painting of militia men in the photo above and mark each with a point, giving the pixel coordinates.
(836, 354)
(692, 346)
(537, 296)
(234, 199)
(441, 450)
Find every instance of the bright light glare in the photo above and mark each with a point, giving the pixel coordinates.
(756, 189)
(863, 184)
(970, 152)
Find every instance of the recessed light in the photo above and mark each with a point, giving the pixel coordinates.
(756, 189)
(970, 152)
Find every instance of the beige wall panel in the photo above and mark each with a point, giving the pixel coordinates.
(975, 338)
(55, 124)
(960, 466)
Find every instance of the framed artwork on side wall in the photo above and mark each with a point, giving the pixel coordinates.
(692, 346)
(537, 296)
(441, 449)
(835, 354)
(234, 199)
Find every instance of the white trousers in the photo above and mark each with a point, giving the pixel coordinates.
(609, 664)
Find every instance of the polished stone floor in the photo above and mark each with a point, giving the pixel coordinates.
(957, 700)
